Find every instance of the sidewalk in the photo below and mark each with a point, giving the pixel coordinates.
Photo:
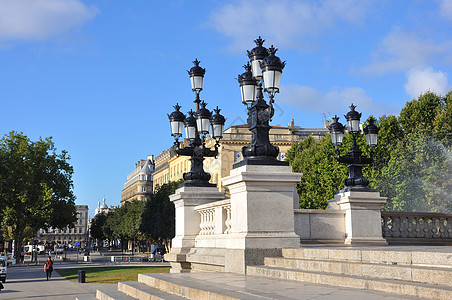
(30, 282)
(26, 282)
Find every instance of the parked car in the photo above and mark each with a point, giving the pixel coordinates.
(58, 249)
(3, 268)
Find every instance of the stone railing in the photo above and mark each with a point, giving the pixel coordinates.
(215, 217)
(320, 226)
(416, 227)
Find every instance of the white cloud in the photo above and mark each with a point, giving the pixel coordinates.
(41, 19)
(420, 81)
(334, 101)
(283, 21)
(445, 9)
(401, 51)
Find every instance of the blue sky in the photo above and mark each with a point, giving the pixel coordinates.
(100, 76)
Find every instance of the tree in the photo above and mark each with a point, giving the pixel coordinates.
(131, 219)
(96, 229)
(417, 177)
(322, 175)
(412, 161)
(108, 227)
(158, 219)
(35, 186)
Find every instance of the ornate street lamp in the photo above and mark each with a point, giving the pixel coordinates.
(354, 157)
(196, 129)
(248, 86)
(263, 72)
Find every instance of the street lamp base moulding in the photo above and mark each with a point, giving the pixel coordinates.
(260, 161)
(197, 183)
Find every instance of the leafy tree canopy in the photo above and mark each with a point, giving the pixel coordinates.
(412, 161)
(158, 219)
(96, 229)
(35, 185)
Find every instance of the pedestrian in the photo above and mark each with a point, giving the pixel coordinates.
(1, 286)
(48, 267)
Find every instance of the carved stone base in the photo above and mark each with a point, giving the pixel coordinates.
(362, 216)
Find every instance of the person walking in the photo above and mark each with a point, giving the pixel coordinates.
(48, 267)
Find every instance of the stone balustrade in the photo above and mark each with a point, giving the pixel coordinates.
(215, 217)
(416, 227)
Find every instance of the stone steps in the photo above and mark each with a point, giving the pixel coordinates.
(421, 274)
(137, 290)
(229, 286)
(110, 294)
(327, 272)
(425, 256)
(185, 286)
(400, 270)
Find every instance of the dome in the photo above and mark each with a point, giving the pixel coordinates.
(104, 206)
(97, 210)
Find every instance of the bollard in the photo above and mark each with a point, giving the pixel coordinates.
(81, 276)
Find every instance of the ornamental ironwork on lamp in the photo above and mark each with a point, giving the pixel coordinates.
(196, 129)
(263, 73)
(354, 157)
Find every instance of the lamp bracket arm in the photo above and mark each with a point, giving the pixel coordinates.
(210, 153)
(346, 159)
(187, 151)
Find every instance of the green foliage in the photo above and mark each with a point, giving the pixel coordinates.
(35, 186)
(322, 175)
(417, 178)
(418, 115)
(412, 161)
(131, 218)
(122, 224)
(96, 229)
(158, 219)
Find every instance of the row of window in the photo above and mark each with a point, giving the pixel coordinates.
(66, 230)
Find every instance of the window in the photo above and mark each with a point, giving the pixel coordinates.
(237, 156)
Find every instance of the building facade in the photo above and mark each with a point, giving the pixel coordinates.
(139, 183)
(68, 236)
(236, 137)
(161, 174)
(170, 166)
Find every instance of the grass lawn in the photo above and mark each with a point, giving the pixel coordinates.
(110, 274)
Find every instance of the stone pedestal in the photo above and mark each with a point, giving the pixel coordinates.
(362, 215)
(262, 214)
(187, 222)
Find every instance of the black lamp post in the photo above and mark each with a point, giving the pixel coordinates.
(263, 72)
(354, 158)
(196, 129)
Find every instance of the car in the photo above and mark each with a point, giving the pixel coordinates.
(3, 268)
(58, 249)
